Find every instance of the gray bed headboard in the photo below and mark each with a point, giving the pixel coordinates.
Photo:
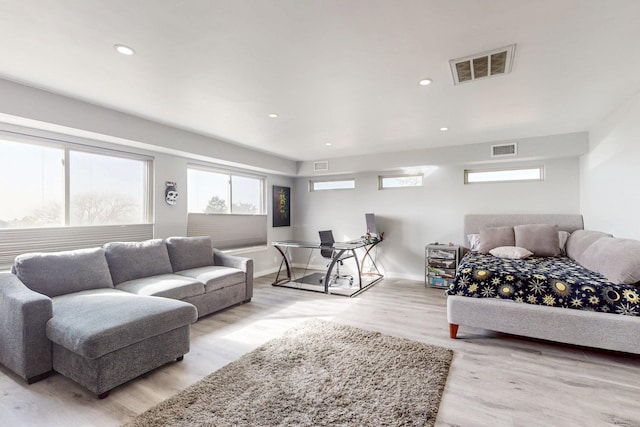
(566, 222)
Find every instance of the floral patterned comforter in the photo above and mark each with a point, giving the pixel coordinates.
(549, 281)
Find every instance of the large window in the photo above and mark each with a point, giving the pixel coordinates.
(228, 206)
(61, 196)
(55, 184)
(220, 192)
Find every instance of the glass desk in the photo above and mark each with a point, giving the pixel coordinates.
(340, 248)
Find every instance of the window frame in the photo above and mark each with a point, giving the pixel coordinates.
(312, 183)
(67, 147)
(540, 168)
(381, 179)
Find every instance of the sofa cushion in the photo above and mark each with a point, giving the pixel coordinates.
(189, 252)
(215, 277)
(493, 237)
(60, 273)
(580, 240)
(541, 239)
(165, 285)
(96, 322)
(616, 259)
(133, 260)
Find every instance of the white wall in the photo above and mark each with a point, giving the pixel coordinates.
(413, 217)
(41, 112)
(610, 194)
(410, 217)
(26, 106)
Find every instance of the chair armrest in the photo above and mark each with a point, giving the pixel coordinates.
(24, 346)
(242, 263)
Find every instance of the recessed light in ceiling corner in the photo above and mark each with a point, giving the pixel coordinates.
(444, 129)
(328, 144)
(272, 115)
(125, 50)
(425, 82)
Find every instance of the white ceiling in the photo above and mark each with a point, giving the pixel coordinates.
(339, 71)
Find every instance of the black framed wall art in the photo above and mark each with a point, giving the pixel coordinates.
(281, 206)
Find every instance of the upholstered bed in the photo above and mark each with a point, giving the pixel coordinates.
(502, 294)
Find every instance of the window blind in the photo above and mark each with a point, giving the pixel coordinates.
(14, 242)
(228, 231)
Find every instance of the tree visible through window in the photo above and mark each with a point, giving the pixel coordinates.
(215, 192)
(103, 189)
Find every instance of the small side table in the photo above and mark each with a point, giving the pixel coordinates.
(440, 264)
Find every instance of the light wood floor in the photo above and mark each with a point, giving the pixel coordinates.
(495, 379)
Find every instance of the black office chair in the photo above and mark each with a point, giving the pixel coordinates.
(327, 240)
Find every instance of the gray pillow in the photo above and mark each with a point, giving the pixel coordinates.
(493, 237)
(190, 252)
(541, 239)
(61, 273)
(580, 240)
(134, 260)
(616, 259)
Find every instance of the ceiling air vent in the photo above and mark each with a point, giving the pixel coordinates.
(321, 166)
(493, 63)
(503, 150)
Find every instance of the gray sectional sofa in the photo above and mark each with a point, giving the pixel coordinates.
(104, 316)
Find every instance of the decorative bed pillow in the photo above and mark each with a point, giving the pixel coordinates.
(511, 252)
(579, 242)
(492, 237)
(474, 242)
(616, 259)
(541, 239)
(562, 237)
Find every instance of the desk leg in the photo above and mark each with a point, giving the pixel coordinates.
(277, 281)
(327, 276)
(368, 254)
(355, 257)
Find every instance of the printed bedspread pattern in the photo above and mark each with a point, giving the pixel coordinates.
(548, 281)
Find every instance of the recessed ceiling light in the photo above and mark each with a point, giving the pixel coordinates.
(444, 129)
(425, 82)
(328, 144)
(273, 115)
(125, 50)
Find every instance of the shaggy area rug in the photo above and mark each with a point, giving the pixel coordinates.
(318, 374)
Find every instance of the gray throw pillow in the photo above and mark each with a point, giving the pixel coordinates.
(580, 240)
(61, 273)
(190, 252)
(134, 260)
(616, 259)
(493, 237)
(541, 239)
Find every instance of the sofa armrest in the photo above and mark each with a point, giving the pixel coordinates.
(242, 263)
(24, 346)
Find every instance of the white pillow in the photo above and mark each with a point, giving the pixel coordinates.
(474, 242)
(511, 252)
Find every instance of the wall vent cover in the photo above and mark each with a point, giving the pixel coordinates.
(503, 150)
(321, 166)
(496, 62)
